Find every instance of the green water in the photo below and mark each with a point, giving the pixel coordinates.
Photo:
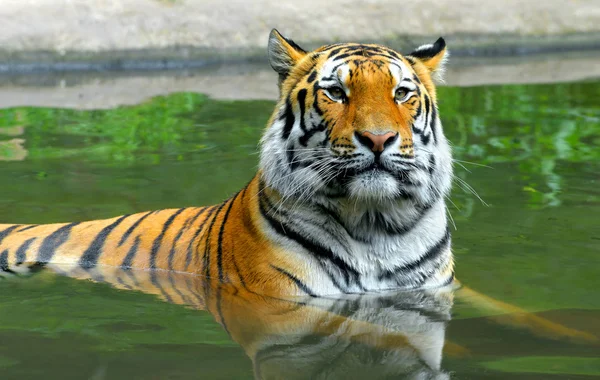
(534, 159)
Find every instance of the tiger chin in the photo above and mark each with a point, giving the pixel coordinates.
(349, 196)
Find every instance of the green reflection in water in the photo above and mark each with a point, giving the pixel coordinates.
(550, 365)
(537, 244)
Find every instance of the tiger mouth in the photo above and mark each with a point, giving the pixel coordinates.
(401, 175)
(373, 168)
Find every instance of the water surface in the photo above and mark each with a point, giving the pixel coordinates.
(532, 154)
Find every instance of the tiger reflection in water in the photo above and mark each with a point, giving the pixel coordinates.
(398, 334)
(384, 335)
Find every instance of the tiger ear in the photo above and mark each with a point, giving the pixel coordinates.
(283, 53)
(433, 57)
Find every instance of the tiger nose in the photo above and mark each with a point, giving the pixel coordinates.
(377, 143)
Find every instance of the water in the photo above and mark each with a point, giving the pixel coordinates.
(534, 159)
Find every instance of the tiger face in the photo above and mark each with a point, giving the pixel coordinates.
(358, 122)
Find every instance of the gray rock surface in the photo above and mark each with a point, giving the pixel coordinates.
(92, 30)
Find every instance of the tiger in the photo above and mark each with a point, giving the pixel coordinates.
(349, 196)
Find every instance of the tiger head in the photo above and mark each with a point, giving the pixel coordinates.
(357, 122)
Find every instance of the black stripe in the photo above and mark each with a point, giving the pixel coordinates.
(334, 52)
(220, 312)
(427, 110)
(431, 254)
(158, 241)
(245, 189)
(4, 233)
(193, 219)
(28, 227)
(410, 60)
(419, 109)
(302, 286)
(433, 123)
(131, 275)
(220, 241)
(201, 302)
(128, 260)
(4, 262)
(89, 259)
(233, 260)
(374, 55)
(431, 167)
(220, 258)
(312, 76)
(158, 286)
(291, 156)
(316, 107)
(237, 271)
(188, 256)
(22, 251)
(174, 287)
(342, 56)
(302, 104)
(295, 45)
(206, 258)
(439, 266)
(52, 242)
(120, 281)
(184, 228)
(423, 106)
(311, 132)
(133, 227)
(424, 137)
(288, 114)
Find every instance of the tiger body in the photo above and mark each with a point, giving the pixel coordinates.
(349, 196)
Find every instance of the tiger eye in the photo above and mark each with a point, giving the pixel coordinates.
(336, 93)
(401, 93)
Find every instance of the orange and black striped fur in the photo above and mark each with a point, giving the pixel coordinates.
(349, 196)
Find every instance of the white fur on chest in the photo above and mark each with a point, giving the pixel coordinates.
(383, 252)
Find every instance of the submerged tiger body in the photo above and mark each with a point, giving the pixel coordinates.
(349, 196)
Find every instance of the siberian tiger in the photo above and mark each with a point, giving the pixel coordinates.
(348, 198)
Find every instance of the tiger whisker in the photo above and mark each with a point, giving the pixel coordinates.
(473, 163)
(463, 166)
(468, 188)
